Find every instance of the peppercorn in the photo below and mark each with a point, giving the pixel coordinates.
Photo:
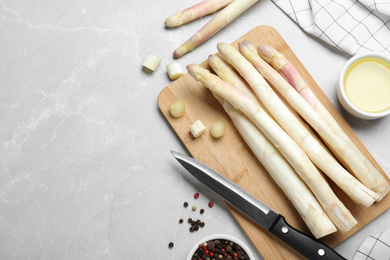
(210, 245)
(193, 208)
(201, 211)
(181, 221)
(171, 244)
(196, 195)
(185, 204)
(224, 250)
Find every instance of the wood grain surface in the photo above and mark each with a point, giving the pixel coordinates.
(231, 157)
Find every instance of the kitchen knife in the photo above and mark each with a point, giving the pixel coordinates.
(256, 210)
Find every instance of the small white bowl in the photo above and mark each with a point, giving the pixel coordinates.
(342, 95)
(225, 237)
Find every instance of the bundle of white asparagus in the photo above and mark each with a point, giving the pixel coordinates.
(291, 153)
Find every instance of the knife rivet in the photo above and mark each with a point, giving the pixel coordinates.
(321, 252)
(284, 230)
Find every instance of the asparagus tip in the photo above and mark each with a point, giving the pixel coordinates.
(245, 43)
(192, 70)
(190, 67)
(172, 21)
(212, 58)
(247, 47)
(221, 44)
(224, 48)
(266, 51)
(179, 52)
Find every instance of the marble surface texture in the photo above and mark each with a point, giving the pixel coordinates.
(85, 165)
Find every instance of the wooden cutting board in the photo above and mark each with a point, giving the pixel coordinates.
(231, 156)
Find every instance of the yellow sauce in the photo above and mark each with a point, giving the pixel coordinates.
(367, 84)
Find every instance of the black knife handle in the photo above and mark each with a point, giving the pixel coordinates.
(307, 246)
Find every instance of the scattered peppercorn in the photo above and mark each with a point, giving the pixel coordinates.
(195, 224)
(171, 244)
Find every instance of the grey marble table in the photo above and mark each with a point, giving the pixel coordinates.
(85, 164)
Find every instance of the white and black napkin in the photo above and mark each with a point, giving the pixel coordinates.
(375, 247)
(354, 26)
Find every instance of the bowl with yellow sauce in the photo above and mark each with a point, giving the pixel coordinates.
(364, 86)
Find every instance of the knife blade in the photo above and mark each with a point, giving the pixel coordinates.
(256, 210)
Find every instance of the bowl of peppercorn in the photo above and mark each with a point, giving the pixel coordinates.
(220, 246)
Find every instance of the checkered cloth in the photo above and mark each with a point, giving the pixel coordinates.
(354, 26)
(375, 247)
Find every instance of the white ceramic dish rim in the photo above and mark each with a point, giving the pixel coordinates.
(222, 236)
(341, 89)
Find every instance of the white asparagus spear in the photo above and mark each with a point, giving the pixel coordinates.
(194, 12)
(334, 208)
(372, 177)
(219, 21)
(279, 169)
(320, 157)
